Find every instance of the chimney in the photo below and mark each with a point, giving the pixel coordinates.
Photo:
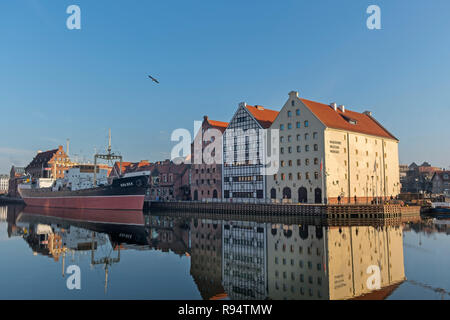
(368, 113)
(334, 106)
(242, 104)
(342, 107)
(293, 94)
(205, 118)
(259, 107)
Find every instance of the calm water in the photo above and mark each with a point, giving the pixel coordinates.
(180, 256)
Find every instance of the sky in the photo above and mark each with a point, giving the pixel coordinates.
(57, 83)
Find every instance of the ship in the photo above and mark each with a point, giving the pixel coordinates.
(87, 186)
(124, 193)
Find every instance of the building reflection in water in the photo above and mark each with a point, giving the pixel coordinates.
(206, 257)
(312, 262)
(231, 259)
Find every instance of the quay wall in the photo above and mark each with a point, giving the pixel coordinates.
(306, 210)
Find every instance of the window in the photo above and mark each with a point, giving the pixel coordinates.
(281, 150)
(306, 124)
(298, 149)
(298, 162)
(299, 176)
(316, 147)
(306, 136)
(298, 137)
(290, 149)
(297, 112)
(307, 176)
(316, 161)
(315, 135)
(307, 148)
(289, 114)
(281, 139)
(292, 103)
(290, 176)
(298, 124)
(289, 126)
(289, 138)
(281, 127)
(307, 162)
(316, 175)
(290, 163)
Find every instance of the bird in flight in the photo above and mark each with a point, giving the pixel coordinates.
(153, 79)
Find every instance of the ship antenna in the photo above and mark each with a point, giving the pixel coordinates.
(109, 141)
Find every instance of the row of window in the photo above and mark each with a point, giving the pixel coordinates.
(208, 181)
(238, 194)
(302, 290)
(288, 163)
(299, 176)
(297, 125)
(301, 276)
(213, 170)
(300, 251)
(297, 113)
(299, 136)
(299, 149)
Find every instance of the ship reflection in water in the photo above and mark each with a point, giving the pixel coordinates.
(228, 259)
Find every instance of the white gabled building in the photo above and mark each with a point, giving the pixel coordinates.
(329, 153)
(244, 173)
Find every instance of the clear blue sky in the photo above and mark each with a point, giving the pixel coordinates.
(57, 83)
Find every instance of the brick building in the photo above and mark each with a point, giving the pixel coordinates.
(418, 178)
(207, 175)
(49, 164)
(168, 181)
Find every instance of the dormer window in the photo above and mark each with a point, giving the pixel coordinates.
(349, 120)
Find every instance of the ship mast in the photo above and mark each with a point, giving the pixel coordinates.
(109, 156)
(106, 261)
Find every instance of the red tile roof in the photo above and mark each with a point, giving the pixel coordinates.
(337, 119)
(218, 124)
(264, 116)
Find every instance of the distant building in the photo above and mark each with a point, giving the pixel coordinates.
(403, 169)
(168, 181)
(16, 177)
(207, 178)
(244, 170)
(4, 183)
(49, 164)
(441, 182)
(127, 166)
(418, 178)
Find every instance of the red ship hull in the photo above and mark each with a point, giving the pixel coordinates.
(117, 217)
(123, 194)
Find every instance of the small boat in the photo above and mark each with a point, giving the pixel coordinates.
(440, 209)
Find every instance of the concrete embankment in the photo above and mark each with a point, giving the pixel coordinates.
(382, 211)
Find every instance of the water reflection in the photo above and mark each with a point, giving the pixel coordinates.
(233, 259)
